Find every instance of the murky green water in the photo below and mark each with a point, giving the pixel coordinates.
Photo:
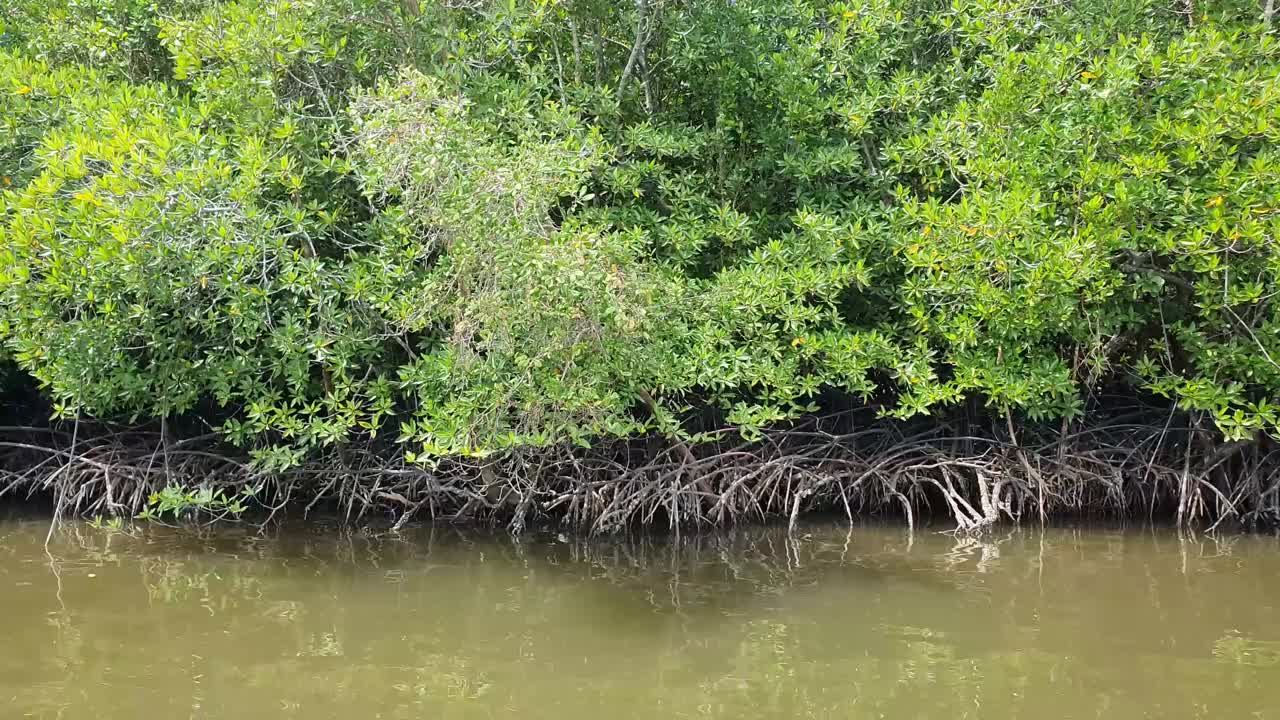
(316, 623)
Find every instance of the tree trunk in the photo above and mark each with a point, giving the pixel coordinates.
(577, 51)
(637, 47)
(599, 33)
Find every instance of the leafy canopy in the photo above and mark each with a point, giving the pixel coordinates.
(481, 225)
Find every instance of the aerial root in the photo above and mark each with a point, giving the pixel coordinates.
(824, 463)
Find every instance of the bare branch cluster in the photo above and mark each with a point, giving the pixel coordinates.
(1139, 464)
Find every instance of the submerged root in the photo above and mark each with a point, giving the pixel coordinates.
(1119, 466)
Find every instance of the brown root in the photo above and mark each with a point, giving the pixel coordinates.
(843, 463)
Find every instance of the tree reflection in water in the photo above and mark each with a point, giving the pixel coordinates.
(313, 621)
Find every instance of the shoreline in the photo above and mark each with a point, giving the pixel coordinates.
(965, 475)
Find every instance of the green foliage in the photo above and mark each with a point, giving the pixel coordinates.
(178, 503)
(111, 524)
(1126, 193)
(118, 37)
(35, 100)
(484, 225)
(527, 333)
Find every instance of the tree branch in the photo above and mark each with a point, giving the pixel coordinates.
(637, 48)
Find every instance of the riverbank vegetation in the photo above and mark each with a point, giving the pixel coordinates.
(642, 262)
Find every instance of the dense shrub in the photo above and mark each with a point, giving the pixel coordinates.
(479, 226)
(119, 38)
(1127, 196)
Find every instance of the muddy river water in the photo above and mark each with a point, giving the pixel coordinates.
(312, 621)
